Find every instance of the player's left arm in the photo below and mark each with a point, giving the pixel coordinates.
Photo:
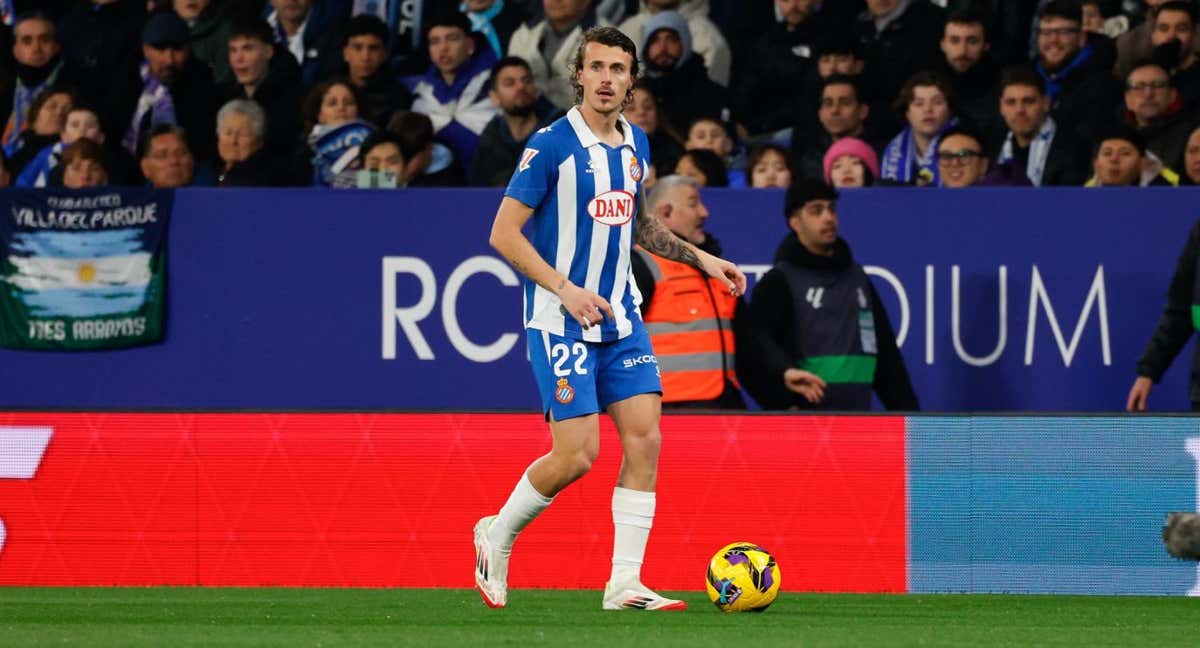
(656, 238)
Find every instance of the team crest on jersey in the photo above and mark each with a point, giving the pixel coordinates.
(563, 392)
(635, 169)
(526, 158)
(612, 208)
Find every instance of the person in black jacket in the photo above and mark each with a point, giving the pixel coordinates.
(822, 334)
(268, 75)
(362, 60)
(1078, 73)
(523, 110)
(1174, 329)
(1050, 154)
(967, 63)
(168, 85)
(99, 38)
(242, 159)
(676, 76)
(900, 38)
(782, 61)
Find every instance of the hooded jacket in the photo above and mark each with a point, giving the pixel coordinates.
(706, 38)
(685, 92)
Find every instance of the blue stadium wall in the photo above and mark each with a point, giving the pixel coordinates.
(1004, 300)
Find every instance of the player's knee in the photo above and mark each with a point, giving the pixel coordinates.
(581, 462)
(649, 437)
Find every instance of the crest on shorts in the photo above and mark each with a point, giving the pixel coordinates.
(635, 169)
(526, 158)
(564, 393)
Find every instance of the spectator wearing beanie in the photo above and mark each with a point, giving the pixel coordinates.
(707, 41)
(850, 163)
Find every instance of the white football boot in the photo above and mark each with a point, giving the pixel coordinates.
(635, 596)
(491, 567)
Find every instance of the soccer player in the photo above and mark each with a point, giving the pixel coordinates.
(580, 180)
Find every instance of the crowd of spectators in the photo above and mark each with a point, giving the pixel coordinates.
(743, 93)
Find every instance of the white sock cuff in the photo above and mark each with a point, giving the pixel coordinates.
(525, 487)
(632, 507)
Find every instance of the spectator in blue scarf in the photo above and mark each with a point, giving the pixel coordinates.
(1082, 91)
(82, 122)
(926, 102)
(495, 21)
(334, 129)
(453, 92)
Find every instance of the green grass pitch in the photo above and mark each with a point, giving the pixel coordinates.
(176, 617)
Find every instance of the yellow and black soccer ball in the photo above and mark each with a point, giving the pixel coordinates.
(742, 577)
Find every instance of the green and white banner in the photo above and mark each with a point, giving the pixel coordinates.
(82, 269)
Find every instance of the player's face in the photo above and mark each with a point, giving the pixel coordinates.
(606, 77)
(687, 214)
(815, 224)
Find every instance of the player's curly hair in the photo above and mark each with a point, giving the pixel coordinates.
(611, 37)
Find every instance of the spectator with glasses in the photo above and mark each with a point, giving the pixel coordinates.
(1153, 108)
(963, 162)
(1081, 89)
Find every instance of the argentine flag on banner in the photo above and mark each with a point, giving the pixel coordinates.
(82, 271)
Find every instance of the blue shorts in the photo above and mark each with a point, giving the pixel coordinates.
(577, 378)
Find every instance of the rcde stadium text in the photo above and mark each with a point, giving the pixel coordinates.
(409, 320)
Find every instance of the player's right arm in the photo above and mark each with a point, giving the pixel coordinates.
(585, 306)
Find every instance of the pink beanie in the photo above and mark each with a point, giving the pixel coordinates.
(855, 147)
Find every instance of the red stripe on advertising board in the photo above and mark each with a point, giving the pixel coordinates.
(388, 500)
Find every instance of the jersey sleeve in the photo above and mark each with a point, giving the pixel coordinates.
(536, 172)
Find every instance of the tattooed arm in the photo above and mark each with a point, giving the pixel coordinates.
(585, 306)
(658, 239)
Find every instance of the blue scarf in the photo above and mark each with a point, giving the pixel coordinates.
(902, 163)
(1054, 80)
(481, 21)
(335, 149)
(37, 172)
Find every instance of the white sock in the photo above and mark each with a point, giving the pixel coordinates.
(633, 515)
(523, 505)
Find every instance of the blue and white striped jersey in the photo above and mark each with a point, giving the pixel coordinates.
(584, 195)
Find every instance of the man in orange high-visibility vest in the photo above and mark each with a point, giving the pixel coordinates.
(689, 315)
